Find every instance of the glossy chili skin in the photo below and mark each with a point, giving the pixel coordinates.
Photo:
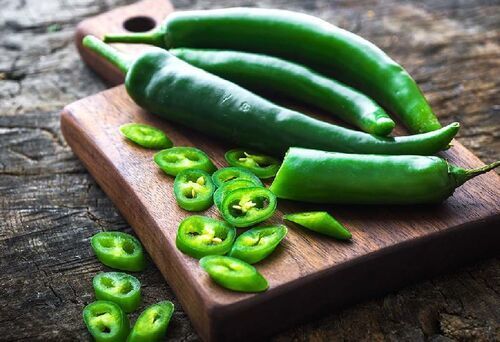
(146, 136)
(261, 165)
(227, 187)
(302, 38)
(199, 236)
(228, 174)
(225, 110)
(256, 244)
(120, 288)
(320, 222)
(245, 207)
(193, 189)
(119, 250)
(152, 324)
(233, 274)
(176, 159)
(329, 177)
(266, 74)
(106, 321)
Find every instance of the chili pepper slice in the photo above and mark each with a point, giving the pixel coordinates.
(193, 189)
(233, 274)
(230, 186)
(152, 324)
(106, 321)
(120, 288)
(175, 159)
(256, 244)
(320, 222)
(146, 136)
(248, 206)
(119, 250)
(228, 174)
(199, 236)
(261, 165)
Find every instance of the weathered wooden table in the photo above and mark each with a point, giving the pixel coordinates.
(50, 206)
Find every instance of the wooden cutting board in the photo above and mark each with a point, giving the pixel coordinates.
(308, 274)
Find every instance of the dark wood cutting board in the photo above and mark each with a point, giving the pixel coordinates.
(308, 274)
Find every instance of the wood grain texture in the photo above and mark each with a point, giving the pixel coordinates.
(50, 206)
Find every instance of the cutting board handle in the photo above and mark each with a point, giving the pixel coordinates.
(139, 17)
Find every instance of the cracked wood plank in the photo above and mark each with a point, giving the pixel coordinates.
(50, 206)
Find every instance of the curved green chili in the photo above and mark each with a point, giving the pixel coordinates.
(261, 165)
(193, 189)
(152, 324)
(256, 244)
(222, 109)
(233, 274)
(176, 159)
(120, 288)
(119, 250)
(329, 177)
(106, 321)
(304, 39)
(146, 136)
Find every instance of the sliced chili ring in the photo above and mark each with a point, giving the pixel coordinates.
(199, 236)
(228, 174)
(256, 244)
(146, 136)
(230, 186)
(106, 321)
(119, 250)
(193, 189)
(234, 274)
(248, 206)
(174, 160)
(121, 288)
(320, 222)
(153, 322)
(261, 165)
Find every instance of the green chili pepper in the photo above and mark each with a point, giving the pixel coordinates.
(233, 274)
(320, 222)
(228, 187)
(301, 38)
(248, 206)
(120, 288)
(152, 324)
(193, 190)
(146, 136)
(119, 250)
(329, 177)
(261, 165)
(228, 174)
(176, 159)
(106, 321)
(265, 74)
(256, 244)
(198, 236)
(222, 109)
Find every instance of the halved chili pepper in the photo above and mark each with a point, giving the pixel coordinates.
(106, 321)
(176, 159)
(146, 136)
(152, 324)
(321, 222)
(248, 206)
(230, 186)
(193, 189)
(233, 274)
(261, 165)
(228, 174)
(119, 250)
(199, 236)
(256, 244)
(120, 288)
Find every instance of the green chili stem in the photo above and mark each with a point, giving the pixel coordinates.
(154, 37)
(112, 55)
(464, 175)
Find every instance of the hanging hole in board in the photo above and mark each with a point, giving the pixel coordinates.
(139, 24)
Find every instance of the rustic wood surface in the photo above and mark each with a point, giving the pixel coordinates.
(50, 206)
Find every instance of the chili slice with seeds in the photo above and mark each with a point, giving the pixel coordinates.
(152, 324)
(146, 136)
(120, 288)
(119, 250)
(193, 189)
(176, 159)
(228, 187)
(228, 174)
(106, 321)
(256, 244)
(261, 165)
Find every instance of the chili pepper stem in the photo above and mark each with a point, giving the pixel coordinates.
(112, 55)
(463, 175)
(153, 37)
